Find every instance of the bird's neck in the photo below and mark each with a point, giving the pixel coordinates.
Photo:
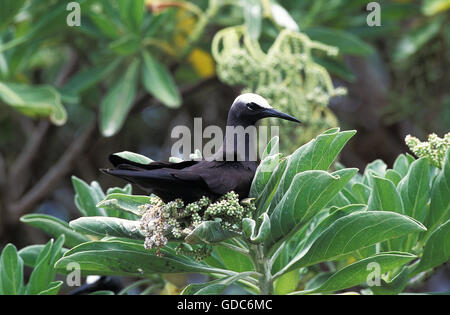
(240, 143)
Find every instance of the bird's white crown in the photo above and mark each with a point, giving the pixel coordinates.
(253, 98)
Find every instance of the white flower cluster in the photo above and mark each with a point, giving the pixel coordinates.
(161, 222)
(435, 148)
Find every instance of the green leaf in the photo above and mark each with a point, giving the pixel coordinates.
(8, 10)
(384, 196)
(55, 227)
(440, 197)
(126, 45)
(124, 202)
(362, 192)
(394, 286)
(252, 10)
(30, 254)
(330, 219)
(437, 249)
(127, 259)
(34, 101)
(345, 41)
(106, 226)
(209, 232)
(105, 25)
(52, 289)
(86, 198)
(132, 13)
(134, 157)
(393, 176)
(213, 287)
(309, 193)
(249, 229)
(287, 283)
(377, 168)
(318, 154)
(118, 101)
(264, 173)
(159, 82)
(43, 273)
(87, 78)
(358, 272)
(233, 260)
(11, 271)
(401, 165)
(415, 189)
(353, 232)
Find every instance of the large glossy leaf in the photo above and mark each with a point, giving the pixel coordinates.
(52, 289)
(11, 271)
(106, 226)
(30, 254)
(256, 234)
(127, 259)
(233, 260)
(118, 101)
(415, 189)
(401, 165)
(55, 227)
(87, 197)
(309, 193)
(263, 174)
(437, 249)
(43, 273)
(359, 271)
(34, 101)
(353, 232)
(209, 232)
(124, 202)
(440, 197)
(384, 196)
(318, 154)
(159, 82)
(215, 287)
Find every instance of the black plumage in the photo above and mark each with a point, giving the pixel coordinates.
(190, 180)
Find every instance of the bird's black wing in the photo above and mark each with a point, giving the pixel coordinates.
(118, 162)
(222, 177)
(164, 179)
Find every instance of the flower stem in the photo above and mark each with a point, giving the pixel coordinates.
(263, 266)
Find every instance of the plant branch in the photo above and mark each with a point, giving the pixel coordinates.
(51, 178)
(20, 168)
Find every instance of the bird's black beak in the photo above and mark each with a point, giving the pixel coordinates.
(271, 112)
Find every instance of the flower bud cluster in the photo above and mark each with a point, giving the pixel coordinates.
(161, 222)
(435, 148)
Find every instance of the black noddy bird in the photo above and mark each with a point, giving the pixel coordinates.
(191, 180)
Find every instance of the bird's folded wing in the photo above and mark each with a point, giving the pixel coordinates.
(120, 162)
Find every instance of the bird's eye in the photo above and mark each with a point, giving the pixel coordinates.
(252, 106)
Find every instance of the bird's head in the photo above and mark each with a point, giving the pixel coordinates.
(248, 108)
